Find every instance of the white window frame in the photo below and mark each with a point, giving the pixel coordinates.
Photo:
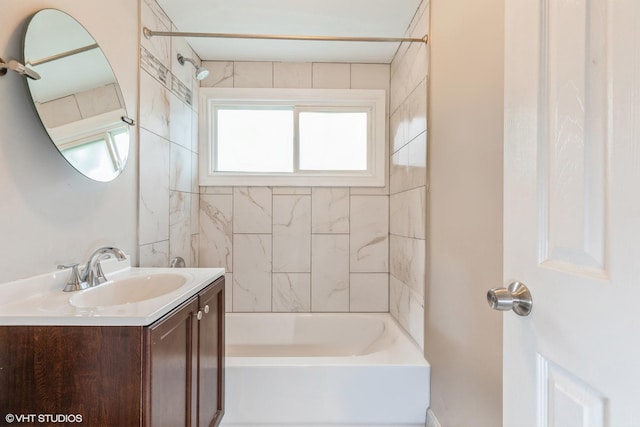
(372, 101)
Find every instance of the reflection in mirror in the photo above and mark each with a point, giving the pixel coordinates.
(78, 97)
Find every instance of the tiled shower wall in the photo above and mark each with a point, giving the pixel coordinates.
(168, 204)
(287, 249)
(408, 184)
(298, 249)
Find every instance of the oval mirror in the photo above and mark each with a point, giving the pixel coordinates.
(77, 98)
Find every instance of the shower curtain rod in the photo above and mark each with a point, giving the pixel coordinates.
(149, 33)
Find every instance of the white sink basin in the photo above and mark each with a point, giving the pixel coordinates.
(128, 290)
(134, 296)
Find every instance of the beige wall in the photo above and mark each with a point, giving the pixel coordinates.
(463, 337)
(50, 213)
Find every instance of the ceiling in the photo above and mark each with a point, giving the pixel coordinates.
(349, 18)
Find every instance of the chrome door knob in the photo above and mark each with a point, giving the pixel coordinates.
(516, 297)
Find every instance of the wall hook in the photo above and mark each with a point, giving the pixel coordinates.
(18, 68)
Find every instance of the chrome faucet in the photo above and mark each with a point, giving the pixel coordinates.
(92, 273)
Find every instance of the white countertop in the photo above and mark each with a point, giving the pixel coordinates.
(39, 300)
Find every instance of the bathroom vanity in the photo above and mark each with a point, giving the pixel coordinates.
(121, 365)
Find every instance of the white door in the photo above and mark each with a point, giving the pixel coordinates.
(572, 212)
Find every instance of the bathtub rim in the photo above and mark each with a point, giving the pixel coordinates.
(404, 351)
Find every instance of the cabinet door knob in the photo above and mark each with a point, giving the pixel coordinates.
(199, 315)
(206, 309)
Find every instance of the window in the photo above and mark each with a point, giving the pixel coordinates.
(292, 137)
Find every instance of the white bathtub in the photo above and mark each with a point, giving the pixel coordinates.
(299, 370)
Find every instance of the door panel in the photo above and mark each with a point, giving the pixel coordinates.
(572, 212)
(572, 131)
(565, 400)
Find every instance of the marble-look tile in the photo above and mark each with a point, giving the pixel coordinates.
(396, 66)
(291, 190)
(154, 254)
(216, 190)
(416, 105)
(195, 188)
(182, 91)
(252, 74)
(369, 292)
(220, 74)
(408, 212)
(216, 231)
(331, 76)
(292, 234)
(369, 234)
(195, 213)
(412, 58)
(252, 210)
(154, 67)
(407, 73)
(180, 173)
(409, 120)
(154, 188)
(330, 273)
(180, 226)
(398, 128)
(418, 157)
(408, 258)
(410, 65)
(420, 24)
(154, 106)
(252, 272)
(180, 125)
(195, 95)
(152, 17)
(228, 292)
(372, 191)
(370, 76)
(195, 245)
(194, 130)
(408, 309)
(292, 74)
(291, 292)
(159, 12)
(330, 210)
(100, 100)
(409, 166)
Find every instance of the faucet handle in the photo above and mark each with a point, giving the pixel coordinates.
(74, 283)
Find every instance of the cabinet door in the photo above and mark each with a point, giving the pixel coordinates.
(211, 356)
(172, 359)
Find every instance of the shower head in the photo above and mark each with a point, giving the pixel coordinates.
(201, 72)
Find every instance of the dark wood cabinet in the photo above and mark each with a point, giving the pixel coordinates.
(170, 373)
(186, 354)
